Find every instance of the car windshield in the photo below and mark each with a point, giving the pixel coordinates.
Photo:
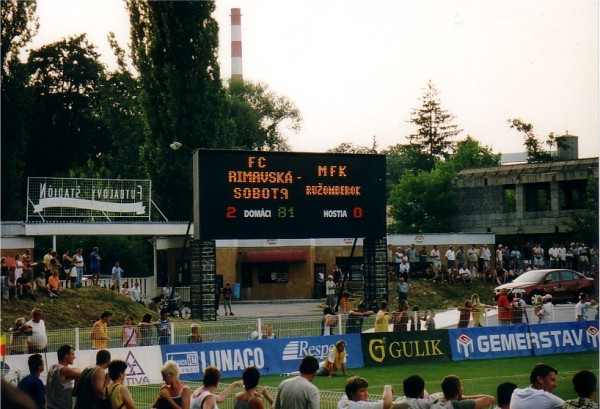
(531, 277)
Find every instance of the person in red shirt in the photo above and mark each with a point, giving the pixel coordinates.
(503, 308)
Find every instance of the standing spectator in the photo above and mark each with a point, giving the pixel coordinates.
(400, 318)
(499, 253)
(572, 254)
(249, 398)
(67, 263)
(430, 321)
(299, 392)
(328, 322)
(472, 256)
(174, 394)
(167, 291)
(546, 313)
(503, 393)
(503, 305)
(59, 381)
(382, 318)
(562, 256)
(454, 398)
(320, 290)
(91, 384)
(95, 265)
(527, 256)
(99, 332)
(130, 333)
(46, 260)
(164, 328)
(135, 293)
(227, 297)
(450, 259)
(437, 264)
(404, 269)
(515, 260)
(398, 257)
(594, 259)
(402, 289)
(117, 391)
(518, 310)
(204, 397)
(461, 256)
(337, 274)
(79, 265)
(553, 255)
(538, 256)
(423, 259)
(357, 396)
(465, 315)
(335, 360)
(38, 340)
(584, 384)
(330, 288)
(411, 254)
(582, 307)
(486, 256)
(117, 275)
(355, 319)
(584, 262)
(32, 385)
(18, 337)
(217, 299)
(146, 329)
(539, 393)
(416, 318)
(195, 336)
(478, 311)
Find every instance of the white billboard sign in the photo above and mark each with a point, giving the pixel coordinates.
(87, 199)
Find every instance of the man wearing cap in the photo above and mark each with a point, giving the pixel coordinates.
(330, 288)
(539, 394)
(546, 313)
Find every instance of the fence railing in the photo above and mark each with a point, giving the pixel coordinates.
(230, 330)
(144, 395)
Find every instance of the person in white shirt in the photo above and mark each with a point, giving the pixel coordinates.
(539, 394)
(465, 274)
(135, 293)
(450, 258)
(38, 341)
(546, 313)
(553, 254)
(435, 256)
(582, 307)
(357, 396)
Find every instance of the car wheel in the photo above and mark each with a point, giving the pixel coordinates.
(186, 313)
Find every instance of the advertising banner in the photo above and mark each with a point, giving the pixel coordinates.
(393, 348)
(270, 356)
(524, 340)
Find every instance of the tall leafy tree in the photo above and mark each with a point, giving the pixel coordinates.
(68, 131)
(533, 146)
(18, 25)
(469, 153)
(349, 147)
(260, 116)
(174, 49)
(435, 127)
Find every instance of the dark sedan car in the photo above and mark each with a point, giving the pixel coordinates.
(563, 285)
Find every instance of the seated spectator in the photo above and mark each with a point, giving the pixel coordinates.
(539, 393)
(135, 293)
(357, 396)
(415, 395)
(454, 398)
(54, 285)
(465, 274)
(504, 392)
(125, 288)
(24, 285)
(584, 384)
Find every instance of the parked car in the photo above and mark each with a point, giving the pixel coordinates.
(563, 285)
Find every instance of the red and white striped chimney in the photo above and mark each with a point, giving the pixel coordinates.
(236, 45)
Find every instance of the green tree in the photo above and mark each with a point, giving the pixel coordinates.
(174, 49)
(402, 158)
(259, 115)
(422, 202)
(469, 153)
(533, 146)
(434, 127)
(67, 131)
(349, 147)
(18, 25)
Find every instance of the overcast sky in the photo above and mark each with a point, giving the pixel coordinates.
(357, 68)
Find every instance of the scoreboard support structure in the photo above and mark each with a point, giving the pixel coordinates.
(376, 277)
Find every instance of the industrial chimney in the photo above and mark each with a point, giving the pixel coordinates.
(236, 45)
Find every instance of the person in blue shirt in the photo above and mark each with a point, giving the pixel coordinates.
(32, 385)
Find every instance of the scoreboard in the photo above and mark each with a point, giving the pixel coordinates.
(279, 195)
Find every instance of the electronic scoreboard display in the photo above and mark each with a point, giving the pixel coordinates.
(279, 195)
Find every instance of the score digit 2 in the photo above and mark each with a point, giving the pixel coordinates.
(357, 212)
(231, 212)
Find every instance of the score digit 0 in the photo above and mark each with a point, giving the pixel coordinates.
(357, 212)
